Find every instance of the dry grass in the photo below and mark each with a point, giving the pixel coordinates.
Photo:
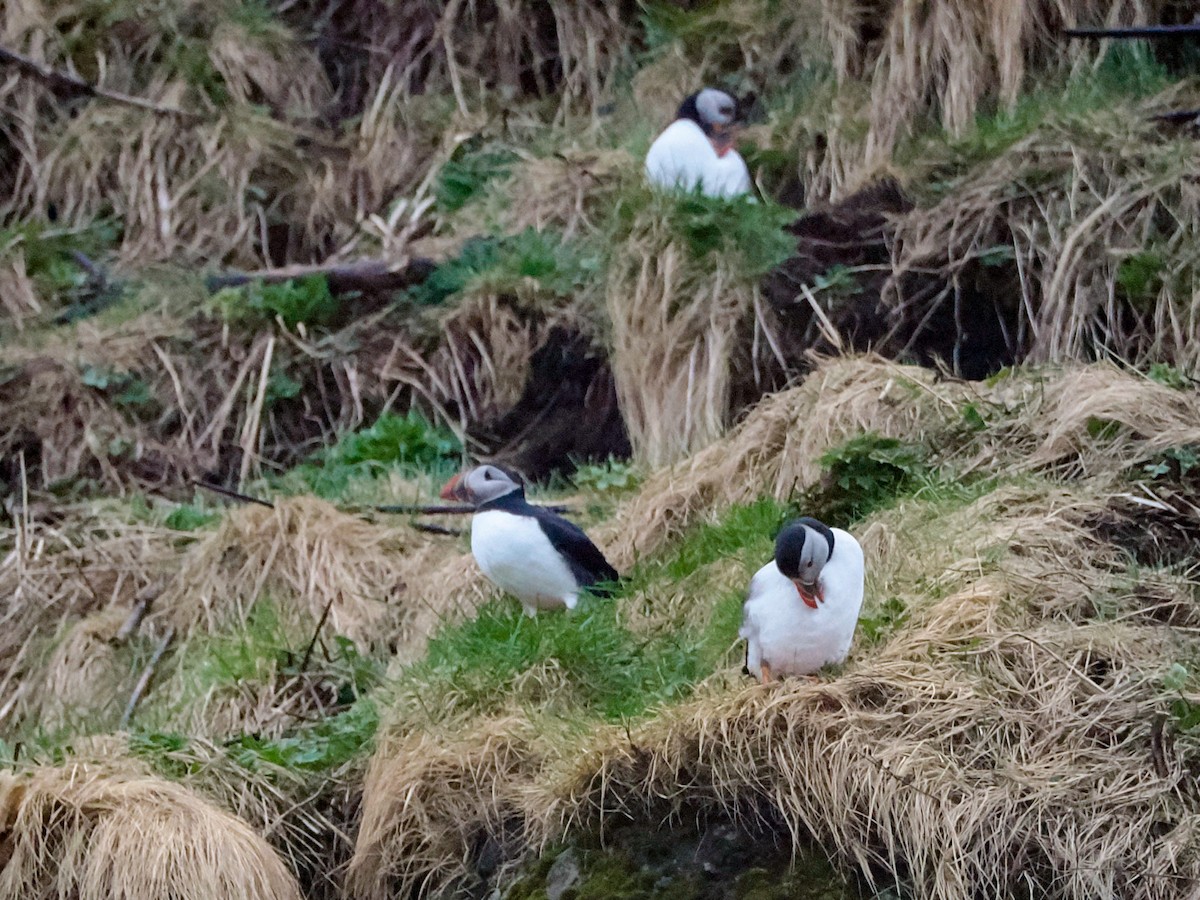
(100, 832)
(310, 558)
(776, 449)
(679, 334)
(1096, 211)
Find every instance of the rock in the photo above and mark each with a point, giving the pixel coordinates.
(563, 875)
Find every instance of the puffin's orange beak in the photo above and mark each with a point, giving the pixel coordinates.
(453, 489)
(722, 143)
(810, 596)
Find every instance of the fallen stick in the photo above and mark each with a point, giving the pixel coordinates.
(373, 275)
(145, 599)
(232, 494)
(1136, 31)
(394, 509)
(147, 674)
(316, 634)
(72, 84)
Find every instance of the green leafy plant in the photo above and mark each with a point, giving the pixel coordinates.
(125, 389)
(864, 474)
(187, 517)
(1164, 373)
(1185, 713)
(324, 745)
(296, 301)
(1140, 276)
(468, 172)
(1174, 463)
(838, 282)
(408, 443)
(541, 259)
(611, 475)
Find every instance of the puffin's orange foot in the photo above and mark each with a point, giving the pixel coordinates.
(764, 671)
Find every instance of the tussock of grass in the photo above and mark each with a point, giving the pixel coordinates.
(97, 832)
(310, 557)
(675, 361)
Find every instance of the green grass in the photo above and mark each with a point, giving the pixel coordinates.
(611, 672)
(294, 302)
(513, 264)
(261, 650)
(468, 173)
(866, 473)
(1126, 73)
(407, 444)
(742, 228)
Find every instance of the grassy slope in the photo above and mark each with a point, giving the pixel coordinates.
(237, 712)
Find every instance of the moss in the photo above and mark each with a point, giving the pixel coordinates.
(644, 861)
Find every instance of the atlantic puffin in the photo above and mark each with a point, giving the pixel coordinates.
(802, 607)
(696, 150)
(528, 551)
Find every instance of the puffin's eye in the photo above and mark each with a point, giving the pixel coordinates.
(487, 476)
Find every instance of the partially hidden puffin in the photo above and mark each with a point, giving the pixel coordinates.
(696, 150)
(802, 607)
(528, 551)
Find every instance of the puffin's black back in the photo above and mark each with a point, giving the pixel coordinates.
(688, 110)
(582, 557)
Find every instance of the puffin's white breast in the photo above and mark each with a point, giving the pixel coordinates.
(515, 554)
(680, 156)
(793, 638)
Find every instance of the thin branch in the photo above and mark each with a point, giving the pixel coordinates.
(371, 275)
(72, 84)
(316, 634)
(1136, 31)
(147, 674)
(232, 494)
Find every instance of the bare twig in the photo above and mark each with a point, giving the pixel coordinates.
(316, 634)
(72, 84)
(147, 674)
(145, 599)
(372, 275)
(1136, 31)
(232, 494)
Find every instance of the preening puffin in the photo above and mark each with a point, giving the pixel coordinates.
(696, 150)
(539, 557)
(802, 606)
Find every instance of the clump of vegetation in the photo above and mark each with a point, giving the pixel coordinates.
(610, 475)
(468, 172)
(297, 301)
(535, 259)
(409, 444)
(865, 474)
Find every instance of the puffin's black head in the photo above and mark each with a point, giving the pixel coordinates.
(714, 111)
(802, 549)
(481, 485)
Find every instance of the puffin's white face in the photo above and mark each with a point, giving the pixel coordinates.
(716, 108)
(801, 552)
(479, 485)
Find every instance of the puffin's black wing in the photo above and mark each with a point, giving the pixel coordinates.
(584, 558)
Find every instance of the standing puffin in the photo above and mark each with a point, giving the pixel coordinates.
(802, 606)
(696, 150)
(539, 557)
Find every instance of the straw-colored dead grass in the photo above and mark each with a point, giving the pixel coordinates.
(777, 448)
(680, 334)
(1098, 211)
(97, 832)
(309, 558)
(416, 832)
